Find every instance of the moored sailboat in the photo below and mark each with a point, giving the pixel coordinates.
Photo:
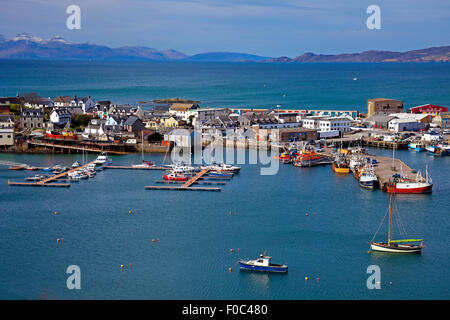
(396, 246)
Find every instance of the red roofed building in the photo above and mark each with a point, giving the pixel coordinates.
(428, 108)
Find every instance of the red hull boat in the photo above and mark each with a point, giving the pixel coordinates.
(173, 177)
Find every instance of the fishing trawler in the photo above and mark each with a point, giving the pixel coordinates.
(416, 146)
(262, 264)
(396, 246)
(368, 178)
(340, 165)
(404, 185)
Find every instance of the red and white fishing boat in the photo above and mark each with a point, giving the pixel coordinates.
(403, 185)
(174, 177)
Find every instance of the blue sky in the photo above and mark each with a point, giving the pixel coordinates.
(264, 27)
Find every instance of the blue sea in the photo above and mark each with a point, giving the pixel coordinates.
(317, 222)
(256, 85)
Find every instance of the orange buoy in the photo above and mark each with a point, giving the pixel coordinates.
(306, 278)
(229, 269)
(121, 266)
(231, 250)
(58, 240)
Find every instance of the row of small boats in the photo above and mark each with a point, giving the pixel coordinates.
(437, 149)
(181, 172)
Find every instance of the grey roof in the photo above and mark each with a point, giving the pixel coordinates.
(130, 121)
(380, 117)
(6, 117)
(62, 112)
(31, 113)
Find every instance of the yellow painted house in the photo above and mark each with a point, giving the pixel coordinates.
(170, 122)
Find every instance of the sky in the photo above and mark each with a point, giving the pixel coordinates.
(270, 28)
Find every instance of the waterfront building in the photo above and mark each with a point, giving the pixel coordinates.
(6, 121)
(6, 137)
(379, 120)
(419, 117)
(340, 124)
(31, 118)
(284, 134)
(431, 137)
(312, 122)
(383, 105)
(405, 124)
(95, 128)
(428, 109)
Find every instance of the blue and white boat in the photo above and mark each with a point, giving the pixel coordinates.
(418, 147)
(262, 264)
(220, 174)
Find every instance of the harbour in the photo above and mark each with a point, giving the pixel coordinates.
(352, 219)
(136, 243)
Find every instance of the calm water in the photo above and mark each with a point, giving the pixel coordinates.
(312, 85)
(196, 233)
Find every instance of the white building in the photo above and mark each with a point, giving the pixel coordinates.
(60, 116)
(181, 110)
(431, 136)
(312, 122)
(340, 124)
(405, 124)
(6, 121)
(6, 136)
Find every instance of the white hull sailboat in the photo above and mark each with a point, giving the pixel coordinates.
(396, 246)
(144, 164)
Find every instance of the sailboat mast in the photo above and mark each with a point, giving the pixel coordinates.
(390, 219)
(142, 141)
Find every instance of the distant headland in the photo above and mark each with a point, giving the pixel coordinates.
(26, 46)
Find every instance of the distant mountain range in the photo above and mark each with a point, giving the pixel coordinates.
(26, 46)
(434, 54)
